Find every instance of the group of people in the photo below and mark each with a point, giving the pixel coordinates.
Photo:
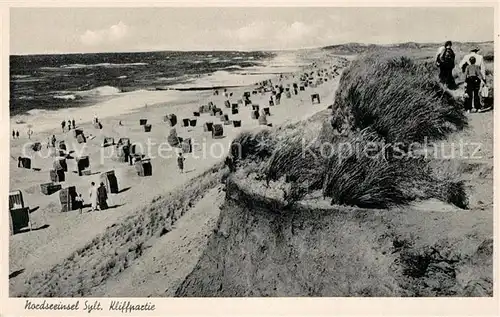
(15, 134)
(70, 123)
(473, 67)
(98, 197)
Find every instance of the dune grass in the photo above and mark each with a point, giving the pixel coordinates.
(399, 99)
(383, 104)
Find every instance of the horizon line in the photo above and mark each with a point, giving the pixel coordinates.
(243, 50)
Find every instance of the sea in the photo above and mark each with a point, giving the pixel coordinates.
(52, 82)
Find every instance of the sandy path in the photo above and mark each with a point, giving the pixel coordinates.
(66, 232)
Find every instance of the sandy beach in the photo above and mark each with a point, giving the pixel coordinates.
(57, 235)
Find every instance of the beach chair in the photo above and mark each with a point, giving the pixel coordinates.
(60, 164)
(217, 131)
(123, 141)
(77, 132)
(122, 154)
(24, 162)
(19, 214)
(107, 141)
(224, 118)
(57, 176)
(37, 146)
(110, 181)
(49, 188)
(144, 167)
(262, 120)
(172, 138)
(67, 198)
(187, 146)
(81, 138)
(207, 127)
(82, 163)
(315, 97)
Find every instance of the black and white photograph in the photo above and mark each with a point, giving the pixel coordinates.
(160, 152)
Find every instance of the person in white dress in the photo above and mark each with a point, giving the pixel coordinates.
(93, 196)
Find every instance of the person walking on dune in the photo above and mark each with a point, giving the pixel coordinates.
(479, 61)
(445, 60)
(473, 79)
(93, 196)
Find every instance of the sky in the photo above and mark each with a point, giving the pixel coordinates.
(84, 30)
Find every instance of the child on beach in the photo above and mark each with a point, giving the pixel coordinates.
(473, 80)
(180, 162)
(79, 200)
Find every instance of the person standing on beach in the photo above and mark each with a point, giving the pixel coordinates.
(93, 196)
(445, 60)
(73, 124)
(17, 134)
(180, 162)
(473, 79)
(63, 124)
(13, 134)
(53, 141)
(102, 197)
(69, 125)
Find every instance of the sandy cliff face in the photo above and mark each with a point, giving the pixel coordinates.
(261, 249)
